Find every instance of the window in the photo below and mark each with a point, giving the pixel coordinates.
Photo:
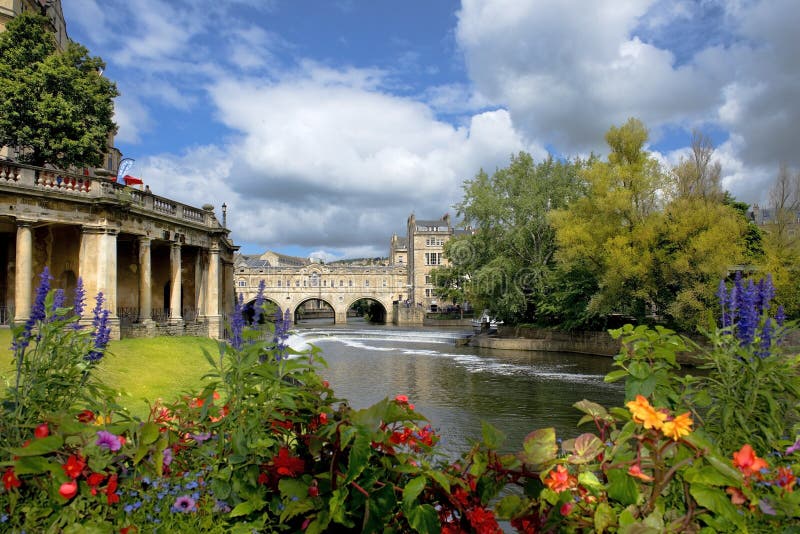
(305, 283)
(400, 259)
(428, 279)
(325, 283)
(434, 242)
(279, 283)
(351, 283)
(433, 258)
(384, 282)
(341, 283)
(297, 283)
(242, 283)
(315, 280)
(366, 283)
(430, 292)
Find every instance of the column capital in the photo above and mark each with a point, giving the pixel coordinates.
(175, 244)
(24, 222)
(145, 239)
(91, 229)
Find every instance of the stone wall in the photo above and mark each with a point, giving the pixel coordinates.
(524, 338)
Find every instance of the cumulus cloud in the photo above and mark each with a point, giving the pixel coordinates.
(567, 70)
(327, 160)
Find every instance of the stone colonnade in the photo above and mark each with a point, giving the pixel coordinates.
(98, 270)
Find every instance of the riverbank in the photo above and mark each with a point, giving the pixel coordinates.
(540, 339)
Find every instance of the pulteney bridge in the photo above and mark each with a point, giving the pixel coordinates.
(339, 286)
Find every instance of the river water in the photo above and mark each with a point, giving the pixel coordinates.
(458, 387)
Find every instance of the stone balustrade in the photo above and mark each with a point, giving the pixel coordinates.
(32, 179)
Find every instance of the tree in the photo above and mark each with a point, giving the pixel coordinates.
(505, 262)
(607, 234)
(782, 239)
(55, 106)
(697, 176)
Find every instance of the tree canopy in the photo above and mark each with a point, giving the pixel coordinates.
(55, 106)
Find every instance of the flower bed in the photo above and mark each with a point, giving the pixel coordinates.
(267, 446)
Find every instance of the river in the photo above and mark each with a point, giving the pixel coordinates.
(458, 387)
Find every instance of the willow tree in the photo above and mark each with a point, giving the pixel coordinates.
(55, 105)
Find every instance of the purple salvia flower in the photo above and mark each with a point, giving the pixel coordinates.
(748, 315)
(58, 299)
(167, 457)
(102, 332)
(722, 295)
(258, 305)
(793, 448)
(237, 323)
(80, 298)
(780, 316)
(766, 339)
(38, 313)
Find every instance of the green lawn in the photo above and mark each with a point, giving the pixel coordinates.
(143, 369)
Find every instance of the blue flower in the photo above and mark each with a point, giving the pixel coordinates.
(80, 298)
(38, 312)
(258, 305)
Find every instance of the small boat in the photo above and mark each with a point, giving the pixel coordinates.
(486, 319)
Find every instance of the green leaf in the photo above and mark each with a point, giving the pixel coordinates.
(592, 409)
(508, 506)
(149, 433)
(440, 479)
(243, 508)
(359, 454)
(589, 480)
(539, 448)
(717, 501)
(586, 448)
(613, 376)
(604, 517)
(31, 465)
(708, 475)
(39, 447)
(424, 519)
(622, 487)
(492, 437)
(294, 508)
(412, 491)
(336, 505)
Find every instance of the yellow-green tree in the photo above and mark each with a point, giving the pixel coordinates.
(608, 233)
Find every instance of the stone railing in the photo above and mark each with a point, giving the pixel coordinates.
(30, 178)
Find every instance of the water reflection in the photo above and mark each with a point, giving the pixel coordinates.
(457, 387)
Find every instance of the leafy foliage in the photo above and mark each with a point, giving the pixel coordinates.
(55, 106)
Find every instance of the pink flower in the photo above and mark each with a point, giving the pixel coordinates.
(68, 489)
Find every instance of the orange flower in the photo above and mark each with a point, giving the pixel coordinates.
(645, 414)
(636, 471)
(559, 479)
(677, 427)
(746, 461)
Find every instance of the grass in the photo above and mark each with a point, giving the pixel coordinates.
(143, 369)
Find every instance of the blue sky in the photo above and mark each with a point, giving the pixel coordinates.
(323, 125)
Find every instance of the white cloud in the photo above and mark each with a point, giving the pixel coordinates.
(326, 160)
(132, 119)
(567, 70)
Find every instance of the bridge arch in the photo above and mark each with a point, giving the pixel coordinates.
(329, 312)
(385, 309)
(248, 310)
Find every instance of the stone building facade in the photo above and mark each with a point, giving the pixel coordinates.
(156, 261)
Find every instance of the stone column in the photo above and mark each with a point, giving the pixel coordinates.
(98, 270)
(146, 284)
(175, 285)
(23, 277)
(212, 294)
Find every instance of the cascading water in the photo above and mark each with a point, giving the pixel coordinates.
(456, 387)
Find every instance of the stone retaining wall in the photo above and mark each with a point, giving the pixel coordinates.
(525, 338)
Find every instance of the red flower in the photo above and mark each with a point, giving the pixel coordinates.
(483, 521)
(746, 461)
(68, 489)
(262, 478)
(566, 508)
(42, 431)
(94, 480)
(323, 418)
(402, 399)
(10, 480)
(111, 495)
(286, 465)
(74, 466)
(86, 416)
(636, 471)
